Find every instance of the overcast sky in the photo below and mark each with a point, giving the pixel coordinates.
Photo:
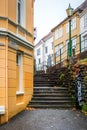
(49, 13)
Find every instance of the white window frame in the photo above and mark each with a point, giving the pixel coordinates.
(67, 45)
(39, 61)
(60, 32)
(73, 42)
(85, 20)
(56, 34)
(57, 49)
(84, 43)
(20, 64)
(46, 49)
(73, 23)
(67, 27)
(38, 51)
(22, 12)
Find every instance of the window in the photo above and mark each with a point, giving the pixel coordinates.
(84, 43)
(73, 42)
(21, 12)
(73, 46)
(67, 45)
(73, 23)
(46, 49)
(19, 73)
(67, 27)
(58, 33)
(52, 45)
(58, 47)
(85, 20)
(39, 61)
(38, 52)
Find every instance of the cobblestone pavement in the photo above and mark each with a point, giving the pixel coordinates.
(47, 119)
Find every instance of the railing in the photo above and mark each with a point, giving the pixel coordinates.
(80, 47)
(63, 54)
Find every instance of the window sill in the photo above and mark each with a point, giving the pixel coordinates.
(19, 93)
(2, 110)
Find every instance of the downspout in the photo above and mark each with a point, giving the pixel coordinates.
(6, 13)
(6, 80)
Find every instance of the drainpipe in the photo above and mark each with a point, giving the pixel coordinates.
(6, 80)
(80, 42)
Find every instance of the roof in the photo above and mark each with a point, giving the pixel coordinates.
(44, 38)
(82, 6)
(78, 9)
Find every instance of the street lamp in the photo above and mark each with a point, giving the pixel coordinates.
(69, 14)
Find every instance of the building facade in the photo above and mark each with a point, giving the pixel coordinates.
(16, 56)
(83, 29)
(44, 52)
(61, 35)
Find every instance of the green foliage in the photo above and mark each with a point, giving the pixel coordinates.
(73, 96)
(61, 76)
(84, 60)
(84, 107)
(85, 79)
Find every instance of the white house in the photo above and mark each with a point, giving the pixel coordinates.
(43, 52)
(83, 29)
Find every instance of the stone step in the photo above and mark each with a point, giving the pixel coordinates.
(51, 102)
(52, 98)
(47, 95)
(50, 95)
(51, 90)
(54, 88)
(58, 106)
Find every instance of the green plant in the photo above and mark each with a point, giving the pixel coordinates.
(85, 79)
(73, 96)
(84, 107)
(62, 76)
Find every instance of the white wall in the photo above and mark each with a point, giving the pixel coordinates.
(83, 30)
(45, 42)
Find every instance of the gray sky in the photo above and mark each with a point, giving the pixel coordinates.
(49, 13)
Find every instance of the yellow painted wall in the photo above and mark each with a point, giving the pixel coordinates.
(2, 7)
(12, 10)
(65, 36)
(9, 73)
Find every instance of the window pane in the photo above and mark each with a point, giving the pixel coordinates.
(38, 51)
(19, 12)
(85, 20)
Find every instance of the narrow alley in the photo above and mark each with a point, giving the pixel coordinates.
(47, 119)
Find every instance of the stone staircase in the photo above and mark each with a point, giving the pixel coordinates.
(46, 95)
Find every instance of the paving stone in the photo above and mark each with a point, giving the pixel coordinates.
(47, 119)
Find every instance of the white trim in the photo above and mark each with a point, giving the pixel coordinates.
(2, 110)
(3, 29)
(15, 37)
(19, 93)
(22, 13)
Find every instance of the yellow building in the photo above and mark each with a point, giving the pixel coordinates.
(16, 56)
(61, 36)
